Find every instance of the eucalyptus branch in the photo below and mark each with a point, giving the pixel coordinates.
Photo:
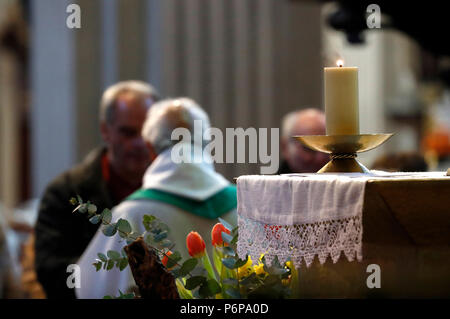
(231, 283)
(105, 218)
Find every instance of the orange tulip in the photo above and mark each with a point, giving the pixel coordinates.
(216, 234)
(195, 244)
(165, 259)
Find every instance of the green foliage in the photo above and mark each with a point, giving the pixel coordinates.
(173, 259)
(235, 278)
(194, 281)
(106, 216)
(228, 251)
(111, 259)
(225, 224)
(95, 219)
(188, 266)
(112, 254)
(121, 296)
(124, 228)
(233, 293)
(147, 221)
(227, 238)
(110, 230)
(209, 288)
(229, 262)
(91, 208)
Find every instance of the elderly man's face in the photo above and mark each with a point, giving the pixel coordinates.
(300, 158)
(127, 151)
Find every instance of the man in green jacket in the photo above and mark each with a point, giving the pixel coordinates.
(105, 177)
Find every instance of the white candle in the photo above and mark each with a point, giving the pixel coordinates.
(341, 100)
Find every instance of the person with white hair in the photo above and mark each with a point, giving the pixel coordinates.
(297, 158)
(106, 176)
(187, 195)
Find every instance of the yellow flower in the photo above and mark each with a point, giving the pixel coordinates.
(246, 269)
(259, 269)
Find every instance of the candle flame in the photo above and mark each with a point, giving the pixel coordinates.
(340, 63)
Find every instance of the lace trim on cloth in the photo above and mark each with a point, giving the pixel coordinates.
(301, 242)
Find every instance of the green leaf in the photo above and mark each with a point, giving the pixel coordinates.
(91, 208)
(98, 265)
(110, 264)
(235, 239)
(233, 293)
(194, 282)
(225, 224)
(226, 237)
(83, 208)
(214, 286)
(123, 264)
(108, 297)
(127, 296)
(163, 226)
(162, 235)
(276, 262)
(102, 257)
(275, 270)
(241, 262)
(114, 255)
(188, 266)
(229, 251)
(175, 272)
(147, 221)
(173, 259)
(249, 279)
(230, 281)
(106, 216)
(80, 201)
(95, 219)
(165, 243)
(230, 263)
(110, 230)
(124, 226)
(209, 288)
(149, 240)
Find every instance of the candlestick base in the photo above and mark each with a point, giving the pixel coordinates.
(343, 149)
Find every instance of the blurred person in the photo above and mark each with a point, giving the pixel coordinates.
(297, 158)
(9, 287)
(105, 177)
(31, 287)
(172, 191)
(401, 162)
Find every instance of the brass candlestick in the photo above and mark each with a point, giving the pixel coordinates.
(343, 149)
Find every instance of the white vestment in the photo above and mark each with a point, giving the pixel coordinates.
(197, 181)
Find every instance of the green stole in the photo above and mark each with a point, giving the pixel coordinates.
(212, 207)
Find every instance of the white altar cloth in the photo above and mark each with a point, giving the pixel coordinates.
(299, 216)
